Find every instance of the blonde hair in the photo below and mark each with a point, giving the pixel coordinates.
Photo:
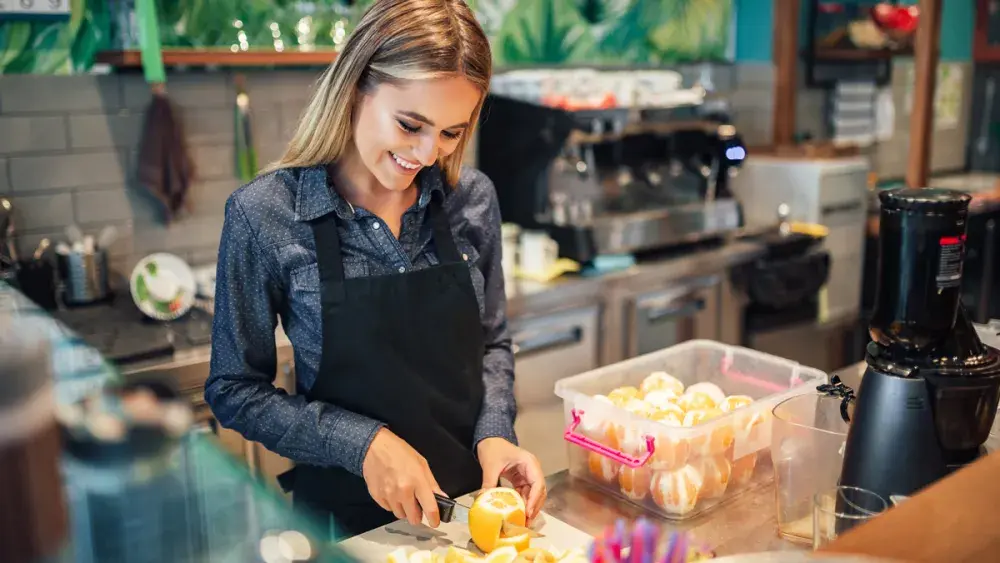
(395, 41)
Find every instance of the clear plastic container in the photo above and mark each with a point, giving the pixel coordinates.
(680, 471)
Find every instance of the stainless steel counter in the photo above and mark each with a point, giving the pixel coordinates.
(746, 524)
(528, 298)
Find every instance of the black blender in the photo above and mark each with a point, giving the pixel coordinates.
(929, 396)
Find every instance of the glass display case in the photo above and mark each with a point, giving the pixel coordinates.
(148, 498)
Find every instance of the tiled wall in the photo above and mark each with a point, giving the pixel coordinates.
(69, 148)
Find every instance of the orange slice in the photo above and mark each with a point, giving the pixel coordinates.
(488, 513)
(504, 554)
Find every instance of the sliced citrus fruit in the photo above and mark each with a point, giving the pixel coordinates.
(399, 556)
(743, 469)
(505, 554)
(489, 512)
(457, 555)
(536, 555)
(422, 556)
(695, 401)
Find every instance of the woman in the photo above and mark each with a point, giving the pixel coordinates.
(381, 256)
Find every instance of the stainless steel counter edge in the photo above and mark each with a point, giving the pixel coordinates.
(527, 298)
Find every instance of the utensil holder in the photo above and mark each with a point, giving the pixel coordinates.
(84, 277)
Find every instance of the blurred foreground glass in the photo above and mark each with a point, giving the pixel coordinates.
(807, 437)
(841, 508)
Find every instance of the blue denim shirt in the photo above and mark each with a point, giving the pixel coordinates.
(267, 269)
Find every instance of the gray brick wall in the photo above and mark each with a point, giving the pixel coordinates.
(69, 149)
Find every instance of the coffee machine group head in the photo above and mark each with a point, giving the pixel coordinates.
(928, 398)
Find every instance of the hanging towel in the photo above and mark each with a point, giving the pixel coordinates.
(165, 165)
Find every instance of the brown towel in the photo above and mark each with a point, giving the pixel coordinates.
(165, 166)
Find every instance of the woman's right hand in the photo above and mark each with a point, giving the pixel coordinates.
(400, 480)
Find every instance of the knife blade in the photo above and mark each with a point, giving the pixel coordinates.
(452, 511)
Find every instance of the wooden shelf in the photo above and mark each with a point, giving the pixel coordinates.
(846, 54)
(221, 57)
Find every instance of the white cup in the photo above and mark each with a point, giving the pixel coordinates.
(538, 252)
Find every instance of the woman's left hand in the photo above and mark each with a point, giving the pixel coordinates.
(500, 458)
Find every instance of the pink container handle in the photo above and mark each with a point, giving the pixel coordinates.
(588, 444)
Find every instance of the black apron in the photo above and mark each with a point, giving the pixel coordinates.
(407, 350)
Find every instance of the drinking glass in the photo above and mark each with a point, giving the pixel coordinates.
(839, 509)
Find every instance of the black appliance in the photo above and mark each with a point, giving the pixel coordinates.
(929, 396)
(611, 181)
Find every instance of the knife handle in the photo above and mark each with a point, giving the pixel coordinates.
(446, 507)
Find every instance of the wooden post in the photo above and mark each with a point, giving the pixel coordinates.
(922, 118)
(786, 63)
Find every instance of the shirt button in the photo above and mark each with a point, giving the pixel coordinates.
(402, 269)
(375, 225)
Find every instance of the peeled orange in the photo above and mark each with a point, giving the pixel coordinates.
(623, 395)
(677, 492)
(486, 517)
(661, 380)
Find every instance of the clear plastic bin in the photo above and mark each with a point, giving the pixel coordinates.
(676, 471)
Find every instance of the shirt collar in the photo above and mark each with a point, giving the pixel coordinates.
(316, 197)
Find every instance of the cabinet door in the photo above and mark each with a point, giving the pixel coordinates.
(662, 318)
(547, 349)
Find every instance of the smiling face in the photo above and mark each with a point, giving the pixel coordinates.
(399, 129)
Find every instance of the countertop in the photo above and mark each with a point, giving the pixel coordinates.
(745, 524)
(528, 298)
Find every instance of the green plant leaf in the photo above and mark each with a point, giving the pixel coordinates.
(151, 268)
(141, 291)
(543, 32)
(14, 38)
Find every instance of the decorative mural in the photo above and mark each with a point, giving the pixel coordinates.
(523, 32)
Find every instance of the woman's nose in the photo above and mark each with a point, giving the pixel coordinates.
(426, 151)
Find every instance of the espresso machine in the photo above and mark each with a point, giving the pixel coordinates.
(928, 398)
(611, 181)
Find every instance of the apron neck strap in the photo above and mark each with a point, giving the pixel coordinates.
(444, 241)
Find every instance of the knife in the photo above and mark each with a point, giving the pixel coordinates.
(452, 511)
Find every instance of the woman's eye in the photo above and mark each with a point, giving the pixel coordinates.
(407, 127)
(451, 135)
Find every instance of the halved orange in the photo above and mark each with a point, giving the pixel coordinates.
(489, 512)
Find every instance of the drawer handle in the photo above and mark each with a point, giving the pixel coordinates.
(682, 309)
(586, 443)
(533, 344)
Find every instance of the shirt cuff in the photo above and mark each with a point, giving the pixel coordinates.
(494, 424)
(348, 440)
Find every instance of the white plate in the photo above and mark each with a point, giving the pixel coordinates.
(162, 286)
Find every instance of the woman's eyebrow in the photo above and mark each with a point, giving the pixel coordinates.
(425, 120)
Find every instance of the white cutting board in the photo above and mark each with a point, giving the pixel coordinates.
(376, 545)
